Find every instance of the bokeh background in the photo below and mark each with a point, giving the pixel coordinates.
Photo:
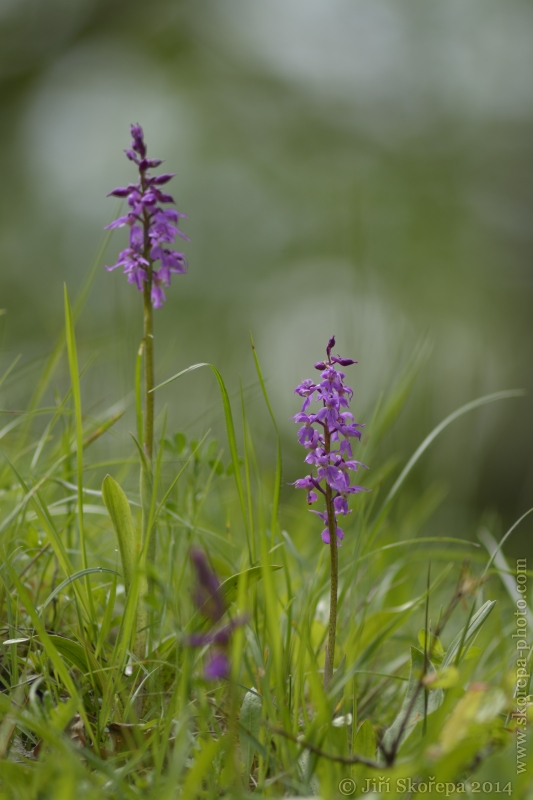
(357, 167)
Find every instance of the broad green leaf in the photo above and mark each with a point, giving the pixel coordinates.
(471, 716)
(465, 638)
(250, 724)
(431, 644)
(230, 585)
(442, 679)
(365, 741)
(79, 656)
(72, 651)
(119, 510)
(412, 710)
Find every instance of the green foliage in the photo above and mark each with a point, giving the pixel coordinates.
(128, 540)
(101, 696)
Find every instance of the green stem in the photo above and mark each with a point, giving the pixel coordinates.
(332, 525)
(147, 444)
(149, 382)
(148, 368)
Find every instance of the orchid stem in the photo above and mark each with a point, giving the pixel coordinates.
(334, 581)
(148, 370)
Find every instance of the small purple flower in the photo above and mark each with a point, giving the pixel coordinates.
(151, 228)
(329, 425)
(218, 666)
(212, 604)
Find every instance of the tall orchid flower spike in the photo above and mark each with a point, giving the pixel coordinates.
(326, 433)
(148, 261)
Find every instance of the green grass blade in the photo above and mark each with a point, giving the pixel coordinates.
(400, 393)
(29, 494)
(49, 647)
(279, 464)
(72, 578)
(76, 394)
(201, 766)
(504, 539)
(55, 356)
(11, 367)
(420, 540)
(230, 429)
(178, 476)
(468, 634)
(51, 533)
(481, 401)
(247, 477)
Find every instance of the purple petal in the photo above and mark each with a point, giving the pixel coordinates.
(118, 223)
(158, 180)
(119, 192)
(217, 667)
(344, 362)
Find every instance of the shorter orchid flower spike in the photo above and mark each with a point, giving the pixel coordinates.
(331, 424)
(211, 603)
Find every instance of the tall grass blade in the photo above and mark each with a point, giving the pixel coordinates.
(55, 356)
(504, 539)
(279, 464)
(73, 578)
(468, 634)
(481, 401)
(230, 429)
(76, 394)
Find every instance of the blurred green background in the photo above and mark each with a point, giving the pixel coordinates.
(357, 167)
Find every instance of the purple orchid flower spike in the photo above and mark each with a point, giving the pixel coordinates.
(211, 603)
(148, 259)
(332, 424)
